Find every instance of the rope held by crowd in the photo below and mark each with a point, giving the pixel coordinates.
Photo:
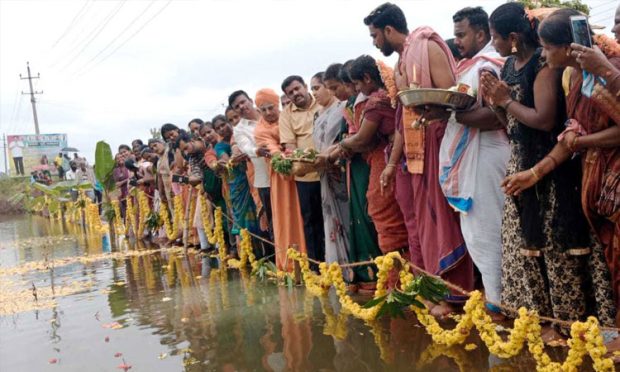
(566, 324)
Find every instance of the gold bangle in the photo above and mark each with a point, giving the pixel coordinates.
(507, 105)
(573, 144)
(390, 165)
(555, 162)
(535, 174)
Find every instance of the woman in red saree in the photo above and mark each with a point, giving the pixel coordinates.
(375, 135)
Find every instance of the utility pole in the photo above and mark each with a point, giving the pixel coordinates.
(32, 93)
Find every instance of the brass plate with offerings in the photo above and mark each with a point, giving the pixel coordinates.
(456, 99)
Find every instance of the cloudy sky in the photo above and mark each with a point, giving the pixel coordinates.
(114, 69)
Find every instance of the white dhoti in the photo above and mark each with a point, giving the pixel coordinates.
(481, 226)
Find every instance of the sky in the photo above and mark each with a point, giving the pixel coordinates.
(112, 70)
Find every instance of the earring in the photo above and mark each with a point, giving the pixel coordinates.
(514, 48)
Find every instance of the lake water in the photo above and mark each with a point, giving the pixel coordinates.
(165, 311)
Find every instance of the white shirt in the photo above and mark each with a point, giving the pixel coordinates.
(70, 175)
(244, 139)
(16, 149)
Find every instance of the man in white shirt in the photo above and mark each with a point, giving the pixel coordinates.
(17, 155)
(243, 134)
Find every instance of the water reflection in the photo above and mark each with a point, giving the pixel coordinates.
(180, 311)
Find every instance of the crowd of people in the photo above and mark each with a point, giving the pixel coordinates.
(521, 191)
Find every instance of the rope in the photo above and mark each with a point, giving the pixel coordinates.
(455, 287)
(564, 323)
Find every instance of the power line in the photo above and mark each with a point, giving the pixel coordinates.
(84, 66)
(130, 37)
(14, 108)
(17, 116)
(96, 31)
(73, 23)
(75, 42)
(606, 11)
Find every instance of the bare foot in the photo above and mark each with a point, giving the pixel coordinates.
(352, 288)
(429, 305)
(612, 348)
(495, 317)
(551, 337)
(442, 310)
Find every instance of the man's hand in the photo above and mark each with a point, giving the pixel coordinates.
(433, 112)
(263, 152)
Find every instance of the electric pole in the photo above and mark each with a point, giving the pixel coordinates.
(32, 93)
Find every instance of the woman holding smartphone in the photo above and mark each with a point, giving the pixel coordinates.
(549, 256)
(591, 133)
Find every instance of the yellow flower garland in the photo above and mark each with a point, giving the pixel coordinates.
(145, 210)
(245, 252)
(130, 217)
(119, 228)
(172, 228)
(434, 351)
(218, 231)
(205, 213)
(335, 326)
(585, 336)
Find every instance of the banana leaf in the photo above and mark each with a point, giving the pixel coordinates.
(46, 189)
(104, 165)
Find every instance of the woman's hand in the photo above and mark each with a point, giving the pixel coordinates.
(321, 160)
(592, 60)
(515, 184)
(386, 180)
(495, 91)
(568, 141)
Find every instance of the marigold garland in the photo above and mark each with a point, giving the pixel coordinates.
(585, 336)
(608, 45)
(145, 210)
(434, 351)
(119, 228)
(130, 217)
(245, 253)
(172, 228)
(335, 326)
(387, 76)
(192, 212)
(205, 214)
(218, 231)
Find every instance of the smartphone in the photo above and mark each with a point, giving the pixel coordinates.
(180, 179)
(581, 30)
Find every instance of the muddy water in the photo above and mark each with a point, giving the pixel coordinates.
(170, 312)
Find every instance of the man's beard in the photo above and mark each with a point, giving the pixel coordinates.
(387, 49)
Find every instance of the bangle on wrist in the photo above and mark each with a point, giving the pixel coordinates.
(535, 174)
(574, 144)
(507, 104)
(553, 160)
(390, 165)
